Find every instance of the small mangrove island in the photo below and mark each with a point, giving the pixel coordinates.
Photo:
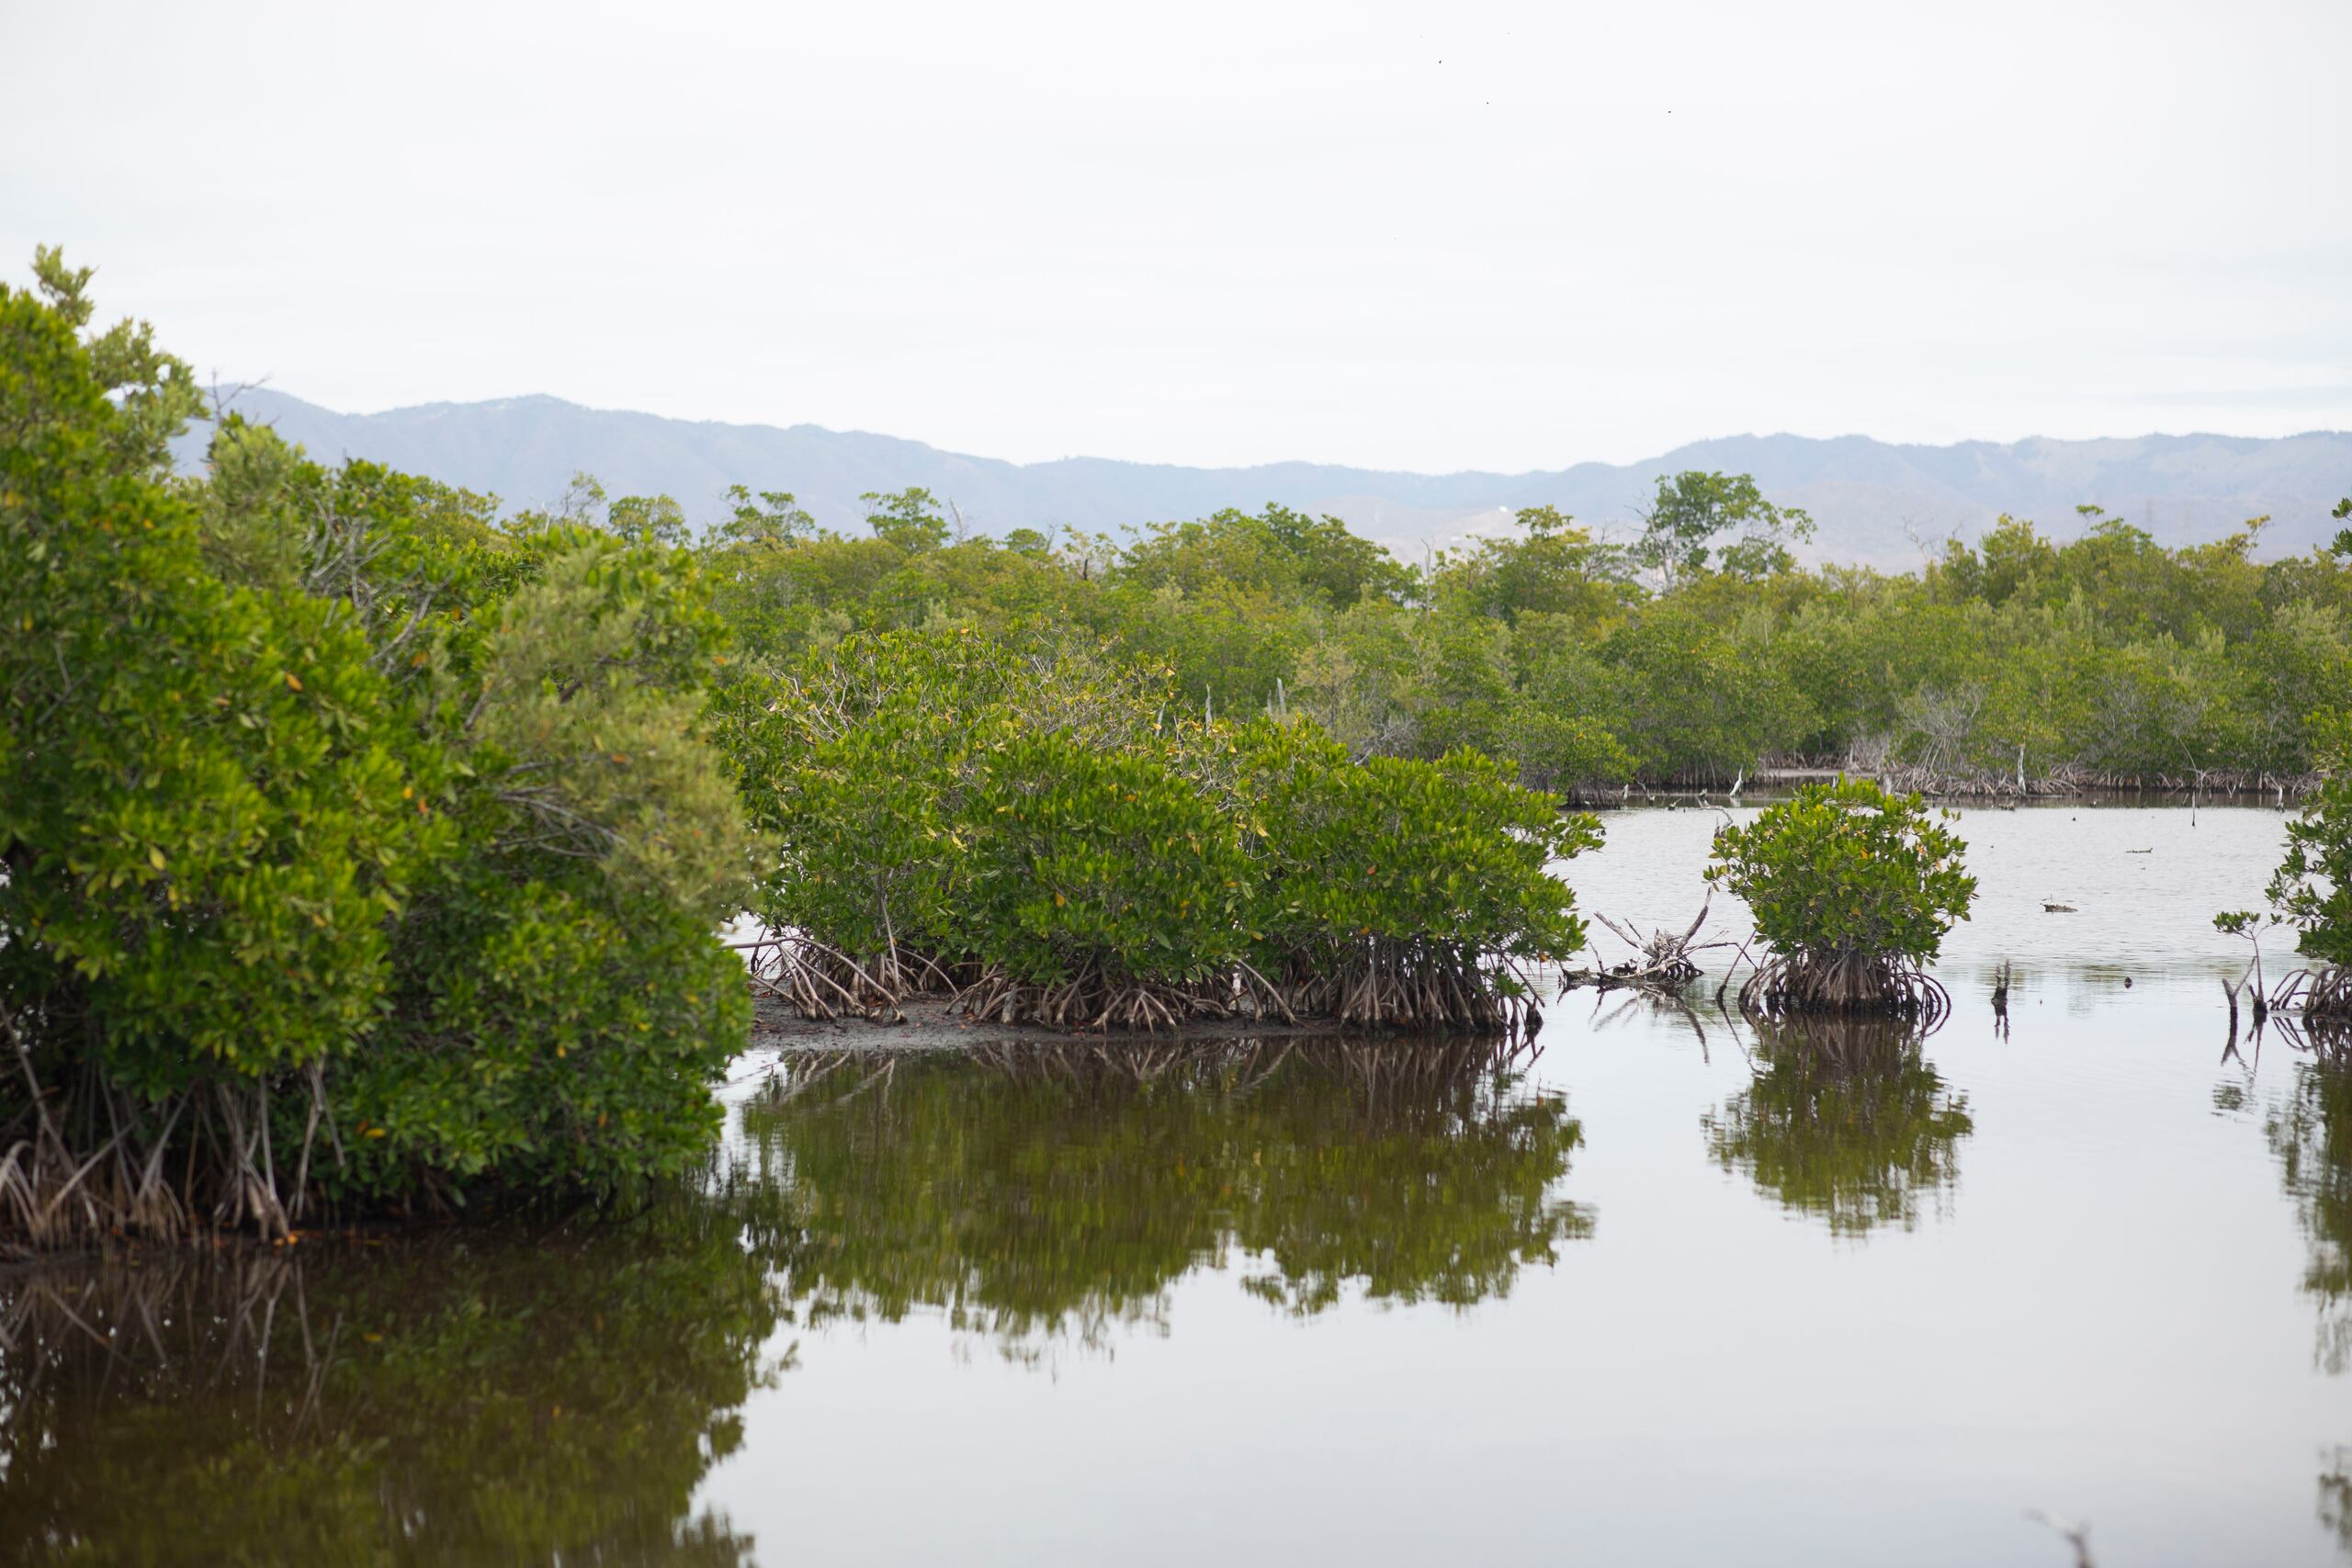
(372, 849)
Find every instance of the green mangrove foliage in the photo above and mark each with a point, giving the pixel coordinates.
(1063, 1189)
(2311, 893)
(1852, 889)
(354, 846)
(1057, 837)
(1690, 652)
(1845, 1121)
(1106, 887)
(542, 1398)
(1403, 893)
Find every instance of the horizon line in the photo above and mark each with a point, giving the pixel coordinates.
(240, 389)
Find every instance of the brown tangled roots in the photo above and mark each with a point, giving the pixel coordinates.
(2322, 994)
(1408, 988)
(1834, 981)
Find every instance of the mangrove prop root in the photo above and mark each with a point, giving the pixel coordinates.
(1094, 999)
(2319, 996)
(1374, 984)
(1805, 981)
(84, 1161)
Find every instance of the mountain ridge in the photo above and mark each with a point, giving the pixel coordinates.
(1878, 503)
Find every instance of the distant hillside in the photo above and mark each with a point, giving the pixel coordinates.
(1871, 498)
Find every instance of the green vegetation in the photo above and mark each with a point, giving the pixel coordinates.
(1690, 652)
(362, 846)
(1057, 1189)
(354, 845)
(2311, 893)
(1058, 838)
(1853, 890)
(1845, 1121)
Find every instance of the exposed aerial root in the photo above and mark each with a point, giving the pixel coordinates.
(1415, 987)
(2323, 995)
(1094, 999)
(1793, 984)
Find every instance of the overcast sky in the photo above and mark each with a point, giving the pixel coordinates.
(1426, 236)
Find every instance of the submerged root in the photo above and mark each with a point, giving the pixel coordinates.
(1794, 984)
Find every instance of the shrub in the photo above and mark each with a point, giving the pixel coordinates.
(851, 781)
(861, 761)
(2311, 889)
(348, 844)
(1049, 831)
(205, 816)
(1853, 890)
(1403, 893)
(1106, 887)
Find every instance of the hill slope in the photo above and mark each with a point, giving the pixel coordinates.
(1871, 498)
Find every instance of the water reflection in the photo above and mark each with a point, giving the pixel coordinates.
(2311, 1133)
(1845, 1121)
(2335, 1498)
(554, 1398)
(1035, 1192)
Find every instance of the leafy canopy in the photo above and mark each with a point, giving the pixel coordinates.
(1847, 867)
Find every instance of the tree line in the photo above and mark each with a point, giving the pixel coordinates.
(1687, 651)
(363, 843)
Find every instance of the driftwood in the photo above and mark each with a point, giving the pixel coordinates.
(1664, 961)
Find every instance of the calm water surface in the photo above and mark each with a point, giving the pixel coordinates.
(1664, 1291)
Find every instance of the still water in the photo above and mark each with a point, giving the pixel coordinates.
(1662, 1290)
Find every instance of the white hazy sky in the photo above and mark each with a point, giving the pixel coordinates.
(1426, 236)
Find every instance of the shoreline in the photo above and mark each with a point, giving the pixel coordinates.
(930, 1023)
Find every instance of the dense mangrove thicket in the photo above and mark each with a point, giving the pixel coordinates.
(362, 844)
(1057, 837)
(1853, 890)
(1691, 649)
(355, 847)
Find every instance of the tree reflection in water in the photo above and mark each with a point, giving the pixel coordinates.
(557, 1395)
(1845, 1121)
(1038, 1191)
(540, 1399)
(2335, 1498)
(2311, 1133)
